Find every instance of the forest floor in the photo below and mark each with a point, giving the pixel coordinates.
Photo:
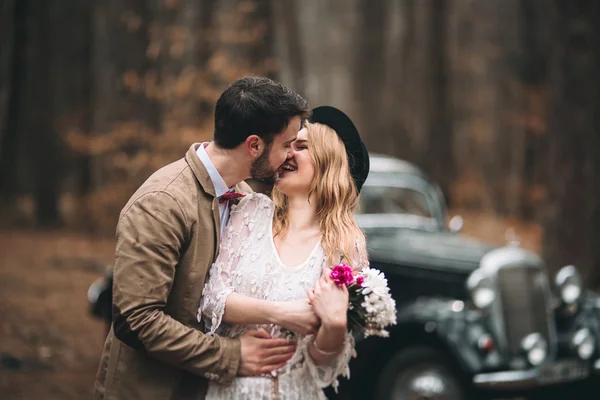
(49, 343)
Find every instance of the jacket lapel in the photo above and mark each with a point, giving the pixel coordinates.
(203, 178)
(217, 219)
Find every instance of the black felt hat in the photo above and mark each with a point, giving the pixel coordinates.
(358, 156)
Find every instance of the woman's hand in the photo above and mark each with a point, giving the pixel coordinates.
(297, 316)
(329, 301)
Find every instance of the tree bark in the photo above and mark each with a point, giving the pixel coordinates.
(370, 69)
(436, 155)
(13, 84)
(328, 48)
(532, 70)
(572, 223)
(287, 44)
(488, 148)
(46, 149)
(181, 50)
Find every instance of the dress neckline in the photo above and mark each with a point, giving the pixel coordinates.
(281, 263)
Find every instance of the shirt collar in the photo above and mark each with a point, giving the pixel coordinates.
(216, 178)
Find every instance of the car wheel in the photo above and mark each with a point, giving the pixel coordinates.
(420, 373)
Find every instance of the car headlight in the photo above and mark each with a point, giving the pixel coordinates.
(481, 288)
(584, 343)
(95, 289)
(535, 347)
(568, 282)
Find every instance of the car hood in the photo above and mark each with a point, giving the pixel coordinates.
(432, 250)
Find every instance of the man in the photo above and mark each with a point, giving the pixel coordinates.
(167, 238)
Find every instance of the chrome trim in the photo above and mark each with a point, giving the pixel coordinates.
(409, 221)
(523, 379)
(563, 277)
(384, 163)
(506, 379)
(579, 339)
(507, 258)
(529, 344)
(477, 281)
(95, 289)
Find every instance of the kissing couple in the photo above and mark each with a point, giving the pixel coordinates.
(211, 279)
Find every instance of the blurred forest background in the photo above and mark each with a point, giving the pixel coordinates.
(497, 100)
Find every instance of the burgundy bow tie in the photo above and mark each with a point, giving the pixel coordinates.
(231, 195)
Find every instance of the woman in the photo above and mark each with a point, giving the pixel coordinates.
(277, 252)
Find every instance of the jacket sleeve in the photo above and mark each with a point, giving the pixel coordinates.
(150, 236)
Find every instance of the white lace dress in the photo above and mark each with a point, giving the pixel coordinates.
(248, 264)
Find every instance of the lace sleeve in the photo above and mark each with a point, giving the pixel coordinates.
(233, 243)
(327, 374)
(363, 255)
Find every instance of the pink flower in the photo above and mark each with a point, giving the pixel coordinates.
(360, 280)
(342, 275)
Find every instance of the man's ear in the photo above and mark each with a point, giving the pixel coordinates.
(255, 145)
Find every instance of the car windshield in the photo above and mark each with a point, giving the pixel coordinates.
(394, 200)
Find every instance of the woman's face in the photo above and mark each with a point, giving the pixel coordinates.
(297, 173)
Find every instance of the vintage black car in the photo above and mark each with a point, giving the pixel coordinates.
(474, 321)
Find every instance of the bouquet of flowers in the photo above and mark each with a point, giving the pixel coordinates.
(371, 307)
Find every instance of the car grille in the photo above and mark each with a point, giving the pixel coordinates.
(523, 293)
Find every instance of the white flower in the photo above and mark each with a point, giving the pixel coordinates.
(375, 281)
(377, 303)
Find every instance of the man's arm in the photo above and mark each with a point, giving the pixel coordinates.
(150, 236)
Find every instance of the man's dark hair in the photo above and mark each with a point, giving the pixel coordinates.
(255, 106)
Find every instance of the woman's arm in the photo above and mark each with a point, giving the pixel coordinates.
(219, 301)
(331, 304)
(328, 343)
(297, 316)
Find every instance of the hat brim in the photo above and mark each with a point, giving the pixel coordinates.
(358, 156)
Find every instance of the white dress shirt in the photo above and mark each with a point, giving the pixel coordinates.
(217, 181)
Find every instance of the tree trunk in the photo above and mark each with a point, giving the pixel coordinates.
(181, 49)
(43, 149)
(572, 224)
(435, 155)
(532, 70)
(11, 94)
(488, 148)
(328, 31)
(288, 45)
(242, 40)
(370, 69)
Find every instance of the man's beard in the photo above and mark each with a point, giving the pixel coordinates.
(261, 170)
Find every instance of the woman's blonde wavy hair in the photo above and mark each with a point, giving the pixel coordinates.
(336, 197)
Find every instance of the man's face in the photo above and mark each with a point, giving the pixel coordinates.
(264, 168)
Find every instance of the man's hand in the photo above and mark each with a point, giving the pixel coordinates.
(297, 316)
(261, 354)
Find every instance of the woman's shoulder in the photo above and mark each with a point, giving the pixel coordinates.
(253, 201)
